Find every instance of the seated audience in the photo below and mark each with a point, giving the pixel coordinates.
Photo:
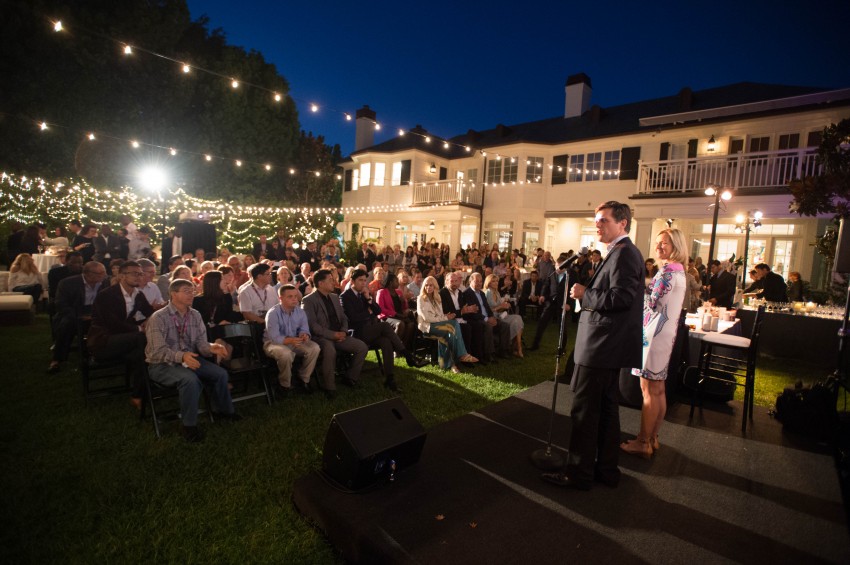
(215, 305)
(258, 297)
(176, 349)
(362, 313)
(74, 299)
(165, 280)
(116, 332)
(240, 276)
(533, 292)
(149, 288)
(395, 311)
(287, 336)
(433, 321)
(493, 327)
(501, 308)
(25, 277)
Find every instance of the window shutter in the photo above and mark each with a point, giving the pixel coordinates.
(629, 163)
(346, 186)
(405, 172)
(444, 173)
(664, 154)
(559, 176)
(692, 149)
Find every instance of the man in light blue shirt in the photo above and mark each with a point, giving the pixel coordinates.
(287, 336)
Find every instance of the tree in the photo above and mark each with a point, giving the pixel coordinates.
(829, 192)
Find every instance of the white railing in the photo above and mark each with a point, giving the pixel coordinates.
(447, 191)
(765, 169)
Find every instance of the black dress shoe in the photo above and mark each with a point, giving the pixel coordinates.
(329, 394)
(303, 387)
(533, 348)
(281, 391)
(413, 361)
(562, 480)
(391, 384)
(350, 383)
(222, 417)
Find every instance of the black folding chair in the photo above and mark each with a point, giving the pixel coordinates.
(158, 394)
(246, 363)
(100, 378)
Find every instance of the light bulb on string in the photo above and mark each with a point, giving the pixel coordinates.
(57, 25)
(186, 68)
(314, 108)
(128, 50)
(277, 97)
(172, 151)
(268, 167)
(135, 144)
(91, 137)
(42, 126)
(208, 157)
(234, 83)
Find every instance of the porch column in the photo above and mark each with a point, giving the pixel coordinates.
(641, 234)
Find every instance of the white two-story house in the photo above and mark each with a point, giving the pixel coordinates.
(536, 184)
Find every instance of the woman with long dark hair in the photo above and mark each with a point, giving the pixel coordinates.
(215, 305)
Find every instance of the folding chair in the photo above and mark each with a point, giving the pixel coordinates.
(246, 363)
(94, 372)
(425, 346)
(733, 371)
(156, 394)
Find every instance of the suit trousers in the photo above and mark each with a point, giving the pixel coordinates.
(595, 435)
(64, 331)
(284, 356)
(190, 383)
(382, 335)
(129, 347)
(329, 348)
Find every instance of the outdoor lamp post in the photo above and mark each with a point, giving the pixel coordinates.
(744, 222)
(718, 194)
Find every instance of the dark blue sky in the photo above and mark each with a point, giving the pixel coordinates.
(456, 65)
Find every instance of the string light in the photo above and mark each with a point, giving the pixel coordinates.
(91, 137)
(208, 157)
(277, 97)
(135, 144)
(268, 167)
(186, 68)
(57, 26)
(234, 83)
(314, 108)
(172, 151)
(128, 50)
(42, 126)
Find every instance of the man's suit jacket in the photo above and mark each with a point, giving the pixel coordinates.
(722, 288)
(358, 310)
(268, 250)
(109, 315)
(54, 277)
(71, 296)
(110, 245)
(448, 303)
(367, 258)
(539, 289)
(610, 327)
(317, 315)
(775, 289)
(470, 298)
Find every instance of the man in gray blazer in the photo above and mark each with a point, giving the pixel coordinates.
(329, 328)
(610, 336)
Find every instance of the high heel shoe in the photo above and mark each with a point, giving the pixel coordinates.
(637, 447)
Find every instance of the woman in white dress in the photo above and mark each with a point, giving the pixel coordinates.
(433, 321)
(661, 309)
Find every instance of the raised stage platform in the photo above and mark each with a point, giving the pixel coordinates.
(708, 496)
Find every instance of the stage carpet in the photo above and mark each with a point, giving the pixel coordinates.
(708, 496)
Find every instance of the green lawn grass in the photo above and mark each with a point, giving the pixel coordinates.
(93, 484)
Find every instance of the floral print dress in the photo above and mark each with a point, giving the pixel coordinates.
(662, 306)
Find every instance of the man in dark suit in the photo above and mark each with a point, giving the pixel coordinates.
(366, 256)
(73, 299)
(329, 328)
(532, 292)
(554, 301)
(73, 266)
(455, 305)
(116, 331)
(493, 327)
(310, 255)
(609, 337)
(107, 245)
(263, 248)
(362, 312)
(721, 285)
(775, 289)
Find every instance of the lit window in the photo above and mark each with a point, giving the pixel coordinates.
(534, 169)
(593, 166)
(365, 174)
(396, 178)
(380, 171)
(576, 170)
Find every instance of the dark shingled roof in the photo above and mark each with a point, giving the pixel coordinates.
(596, 122)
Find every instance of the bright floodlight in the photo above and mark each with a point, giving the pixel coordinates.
(739, 218)
(709, 191)
(726, 195)
(758, 215)
(153, 178)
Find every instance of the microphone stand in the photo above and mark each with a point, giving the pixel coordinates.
(544, 458)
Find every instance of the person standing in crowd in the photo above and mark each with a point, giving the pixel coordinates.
(329, 328)
(662, 305)
(795, 287)
(176, 349)
(287, 336)
(84, 242)
(721, 285)
(608, 339)
(554, 306)
(774, 286)
(107, 246)
(433, 321)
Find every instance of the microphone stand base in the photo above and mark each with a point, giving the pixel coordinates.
(547, 460)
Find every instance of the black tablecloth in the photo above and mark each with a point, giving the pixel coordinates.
(795, 336)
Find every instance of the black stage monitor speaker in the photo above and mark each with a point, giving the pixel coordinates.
(842, 249)
(368, 444)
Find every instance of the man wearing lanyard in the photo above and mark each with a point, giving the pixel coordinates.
(258, 297)
(176, 336)
(287, 336)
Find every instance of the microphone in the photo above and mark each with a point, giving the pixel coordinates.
(583, 251)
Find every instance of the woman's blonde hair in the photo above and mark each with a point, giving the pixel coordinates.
(677, 240)
(489, 280)
(422, 294)
(25, 264)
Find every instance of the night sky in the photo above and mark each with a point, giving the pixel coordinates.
(452, 66)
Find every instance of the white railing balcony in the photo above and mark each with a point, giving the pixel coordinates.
(447, 192)
(761, 170)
